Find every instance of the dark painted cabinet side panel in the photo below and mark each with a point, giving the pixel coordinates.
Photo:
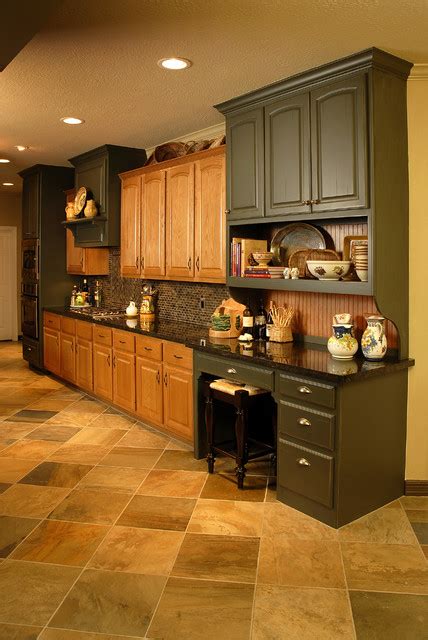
(339, 145)
(31, 206)
(287, 155)
(245, 164)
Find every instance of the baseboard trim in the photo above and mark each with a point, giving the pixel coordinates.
(416, 487)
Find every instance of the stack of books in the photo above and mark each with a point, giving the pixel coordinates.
(241, 252)
(264, 272)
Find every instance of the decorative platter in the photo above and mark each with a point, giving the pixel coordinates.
(297, 236)
(80, 200)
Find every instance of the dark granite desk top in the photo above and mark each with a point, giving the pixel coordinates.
(296, 358)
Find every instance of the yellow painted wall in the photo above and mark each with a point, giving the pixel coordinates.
(417, 438)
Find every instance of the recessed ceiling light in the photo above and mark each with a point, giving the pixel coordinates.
(72, 120)
(8, 184)
(21, 147)
(174, 64)
(4, 160)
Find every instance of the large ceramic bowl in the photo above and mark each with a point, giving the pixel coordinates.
(329, 269)
(263, 257)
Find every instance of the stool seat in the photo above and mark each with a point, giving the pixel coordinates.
(227, 386)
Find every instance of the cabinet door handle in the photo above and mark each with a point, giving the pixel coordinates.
(165, 380)
(197, 263)
(315, 201)
(231, 370)
(136, 262)
(306, 202)
(189, 263)
(178, 357)
(158, 377)
(108, 360)
(227, 211)
(304, 422)
(304, 389)
(148, 349)
(142, 262)
(29, 348)
(114, 362)
(303, 462)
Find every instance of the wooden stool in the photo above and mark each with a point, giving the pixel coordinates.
(244, 398)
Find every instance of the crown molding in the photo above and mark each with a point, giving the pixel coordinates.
(203, 134)
(419, 72)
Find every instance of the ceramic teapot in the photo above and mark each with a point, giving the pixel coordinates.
(342, 344)
(131, 309)
(373, 341)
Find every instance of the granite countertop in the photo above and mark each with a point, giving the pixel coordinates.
(305, 359)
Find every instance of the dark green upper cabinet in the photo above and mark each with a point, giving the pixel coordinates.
(339, 145)
(245, 165)
(287, 156)
(31, 205)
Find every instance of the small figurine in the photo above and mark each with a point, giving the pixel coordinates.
(294, 273)
(287, 273)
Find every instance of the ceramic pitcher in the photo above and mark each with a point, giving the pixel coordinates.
(342, 344)
(373, 341)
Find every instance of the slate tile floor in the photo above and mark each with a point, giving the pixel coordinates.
(110, 530)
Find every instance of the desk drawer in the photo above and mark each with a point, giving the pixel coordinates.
(102, 336)
(150, 348)
(52, 321)
(177, 355)
(234, 370)
(308, 390)
(306, 472)
(123, 341)
(68, 326)
(305, 423)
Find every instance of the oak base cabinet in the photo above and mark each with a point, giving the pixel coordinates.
(149, 376)
(84, 374)
(124, 380)
(67, 357)
(178, 401)
(51, 350)
(103, 376)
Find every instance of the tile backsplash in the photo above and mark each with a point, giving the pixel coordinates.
(178, 301)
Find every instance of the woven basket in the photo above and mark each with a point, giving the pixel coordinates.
(280, 334)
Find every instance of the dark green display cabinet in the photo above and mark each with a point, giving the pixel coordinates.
(98, 170)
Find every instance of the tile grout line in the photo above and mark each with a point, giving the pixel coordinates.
(348, 597)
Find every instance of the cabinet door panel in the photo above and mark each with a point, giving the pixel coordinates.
(124, 380)
(180, 189)
(103, 377)
(130, 224)
(31, 206)
(68, 357)
(93, 176)
(210, 224)
(75, 256)
(245, 164)
(178, 401)
(84, 377)
(153, 224)
(149, 390)
(51, 351)
(339, 145)
(287, 149)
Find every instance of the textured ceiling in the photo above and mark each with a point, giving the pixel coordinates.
(97, 60)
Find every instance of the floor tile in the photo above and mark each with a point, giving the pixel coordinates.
(31, 449)
(57, 433)
(80, 453)
(148, 551)
(65, 634)
(115, 421)
(228, 558)
(191, 609)
(227, 517)
(108, 602)
(424, 548)
(25, 500)
(12, 469)
(31, 415)
(16, 430)
(152, 512)
(56, 474)
(388, 525)
(13, 530)
(48, 404)
(382, 567)
(421, 531)
(414, 502)
(4, 486)
(282, 519)
(389, 616)
(417, 515)
(92, 435)
(300, 563)
(180, 460)
(18, 632)
(177, 445)
(67, 543)
(141, 437)
(183, 484)
(260, 467)
(41, 586)
(86, 505)
(66, 393)
(225, 487)
(118, 479)
(132, 457)
(301, 614)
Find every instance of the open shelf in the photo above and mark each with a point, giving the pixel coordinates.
(316, 286)
(79, 221)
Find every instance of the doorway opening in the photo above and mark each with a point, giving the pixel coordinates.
(8, 284)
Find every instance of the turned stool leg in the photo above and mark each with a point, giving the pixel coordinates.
(241, 431)
(209, 423)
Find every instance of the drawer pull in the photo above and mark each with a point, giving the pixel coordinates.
(148, 349)
(122, 341)
(304, 422)
(29, 349)
(303, 462)
(101, 335)
(304, 389)
(178, 357)
(231, 370)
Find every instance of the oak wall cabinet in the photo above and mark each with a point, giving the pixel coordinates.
(173, 219)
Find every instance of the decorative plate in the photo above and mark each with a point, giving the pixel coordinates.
(80, 200)
(297, 236)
